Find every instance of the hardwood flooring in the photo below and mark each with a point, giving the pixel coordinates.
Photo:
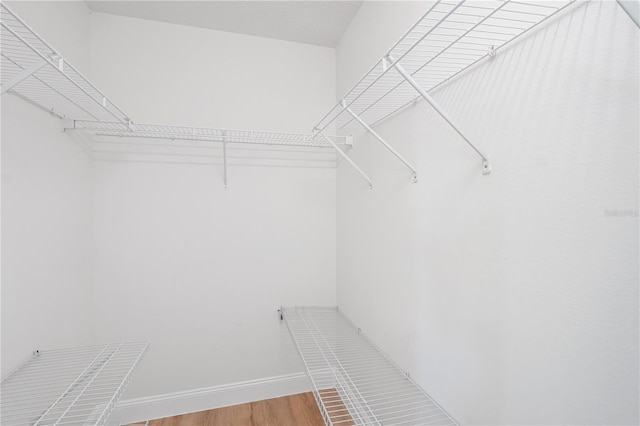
(338, 413)
(293, 410)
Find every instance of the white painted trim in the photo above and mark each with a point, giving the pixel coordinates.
(176, 403)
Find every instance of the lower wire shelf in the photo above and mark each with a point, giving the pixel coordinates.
(353, 382)
(76, 386)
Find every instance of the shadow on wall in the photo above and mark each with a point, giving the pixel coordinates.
(139, 150)
(516, 78)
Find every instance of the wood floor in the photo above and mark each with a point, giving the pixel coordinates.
(294, 410)
(338, 413)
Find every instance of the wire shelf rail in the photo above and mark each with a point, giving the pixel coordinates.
(353, 382)
(35, 71)
(160, 131)
(447, 40)
(77, 386)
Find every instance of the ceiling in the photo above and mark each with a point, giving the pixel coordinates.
(320, 23)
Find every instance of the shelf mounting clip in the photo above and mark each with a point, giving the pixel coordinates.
(486, 166)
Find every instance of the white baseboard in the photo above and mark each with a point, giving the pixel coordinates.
(173, 404)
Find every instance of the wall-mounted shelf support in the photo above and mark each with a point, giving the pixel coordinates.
(349, 160)
(486, 167)
(450, 38)
(24, 74)
(380, 139)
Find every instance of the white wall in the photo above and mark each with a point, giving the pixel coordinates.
(511, 298)
(46, 209)
(196, 269)
(173, 74)
(200, 271)
(63, 24)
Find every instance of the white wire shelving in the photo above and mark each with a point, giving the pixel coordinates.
(448, 39)
(36, 72)
(354, 383)
(161, 131)
(203, 134)
(77, 386)
(451, 37)
(33, 70)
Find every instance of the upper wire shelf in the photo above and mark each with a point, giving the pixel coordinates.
(354, 383)
(159, 131)
(447, 40)
(69, 386)
(35, 71)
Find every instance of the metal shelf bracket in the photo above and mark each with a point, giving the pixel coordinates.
(450, 38)
(67, 124)
(344, 105)
(486, 167)
(346, 157)
(26, 73)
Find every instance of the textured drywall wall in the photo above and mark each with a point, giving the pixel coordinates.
(511, 298)
(197, 269)
(47, 235)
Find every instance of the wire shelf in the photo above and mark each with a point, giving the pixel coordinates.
(159, 131)
(35, 71)
(69, 386)
(447, 40)
(353, 382)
